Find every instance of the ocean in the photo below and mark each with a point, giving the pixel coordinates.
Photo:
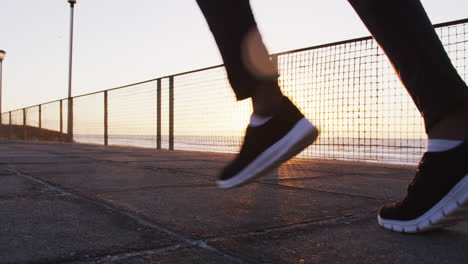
(394, 151)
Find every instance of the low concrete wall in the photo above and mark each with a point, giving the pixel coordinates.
(31, 133)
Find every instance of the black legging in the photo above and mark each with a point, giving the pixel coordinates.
(400, 27)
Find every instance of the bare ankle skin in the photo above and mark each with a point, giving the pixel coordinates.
(453, 126)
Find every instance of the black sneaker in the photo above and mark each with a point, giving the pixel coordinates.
(437, 196)
(268, 145)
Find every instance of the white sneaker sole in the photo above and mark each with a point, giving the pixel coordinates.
(298, 138)
(453, 208)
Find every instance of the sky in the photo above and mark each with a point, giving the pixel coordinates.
(121, 42)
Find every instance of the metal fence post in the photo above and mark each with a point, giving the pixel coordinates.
(40, 122)
(70, 119)
(24, 123)
(171, 113)
(40, 116)
(158, 115)
(61, 120)
(9, 127)
(106, 115)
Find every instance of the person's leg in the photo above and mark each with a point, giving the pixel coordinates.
(438, 195)
(250, 71)
(277, 130)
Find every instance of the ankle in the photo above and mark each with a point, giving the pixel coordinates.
(453, 126)
(267, 99)
(266, 106)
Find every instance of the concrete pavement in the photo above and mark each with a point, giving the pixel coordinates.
(74, 203)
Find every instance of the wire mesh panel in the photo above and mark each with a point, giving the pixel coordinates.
(5, 118)
(50, 116)
(32, 116)
(207, 116)
(132, 115)
(88, 119)
(455, 40)
(351, 93)
(17, 117)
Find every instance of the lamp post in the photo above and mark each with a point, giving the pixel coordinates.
(2, 56)
(70, 99)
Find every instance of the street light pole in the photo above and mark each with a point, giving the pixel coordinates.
(70, 99)
(2, 56)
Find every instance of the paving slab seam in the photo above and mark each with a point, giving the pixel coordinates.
(182, 186)
(28, 196)
(42, 163)
(156, 159)
(270, 183)
(31, 157)
(186, 240)
(289, 227)
(107, 206)
(151, 168)
(231, 255)
(126, 255)
(159, 160)
(320, 176)
(320, 190)
(176, 170)
(48, 185)
(139, 219)
(298, 178)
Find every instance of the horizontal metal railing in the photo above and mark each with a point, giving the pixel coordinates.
(348, 88)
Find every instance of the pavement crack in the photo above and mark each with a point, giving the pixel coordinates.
(122, 257)
(139, 219)
(288, 227)
(127, 255)
(319, 190)
(106, 191)
(176, 171)
(29, 196)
